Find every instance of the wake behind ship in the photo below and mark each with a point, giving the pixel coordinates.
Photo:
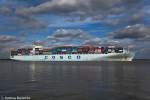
(72, 53)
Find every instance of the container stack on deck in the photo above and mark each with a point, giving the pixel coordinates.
(67, 50)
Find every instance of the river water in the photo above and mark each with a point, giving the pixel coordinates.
(76, 80)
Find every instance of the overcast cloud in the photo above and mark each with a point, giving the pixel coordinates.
(75, 22)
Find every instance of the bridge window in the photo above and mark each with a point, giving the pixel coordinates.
(53, 57)
(69, 57)
(46, 57)
(61, 57)
(78, 57)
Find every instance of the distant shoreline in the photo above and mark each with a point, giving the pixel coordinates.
(5, 59)
(133, 59)
(140, 59)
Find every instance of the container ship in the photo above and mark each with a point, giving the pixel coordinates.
(72, 53)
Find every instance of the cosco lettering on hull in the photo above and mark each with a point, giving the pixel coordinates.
(62, 57)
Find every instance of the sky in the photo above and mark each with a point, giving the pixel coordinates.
(50, 23)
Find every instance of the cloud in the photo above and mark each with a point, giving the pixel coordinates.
(51, 6)
(72, 37)
(11, 21)
(117, 10)
(113, 22)
(72, 6)
(137, 32)
(96, 9)
(39, 42)
(93, 41)
(7, 42)
(27, 17)
(5, 11)
(7, 38)
(23, 34)
(98, 17)
(142, 54)
(136, 17)
(15, 23)
(130, 18)
(69, 34)
(31, 23)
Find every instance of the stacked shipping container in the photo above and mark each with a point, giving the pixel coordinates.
(68, 50)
